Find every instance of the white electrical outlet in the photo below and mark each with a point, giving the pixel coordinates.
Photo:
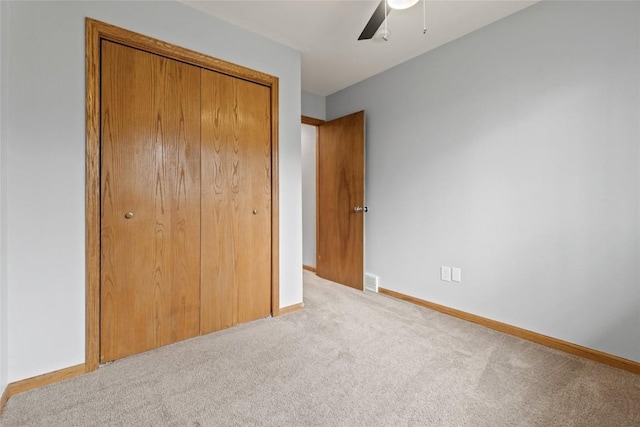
(445, 273)
(456, 274)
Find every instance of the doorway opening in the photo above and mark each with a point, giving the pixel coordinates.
(339, 198)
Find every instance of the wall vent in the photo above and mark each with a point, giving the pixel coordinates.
(371, 282)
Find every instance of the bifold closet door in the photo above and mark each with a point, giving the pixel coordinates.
(150, 201)
(236, 201)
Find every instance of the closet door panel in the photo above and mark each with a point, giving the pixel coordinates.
(150, 201)
(220, 189)
(254, 287)
(236, 201)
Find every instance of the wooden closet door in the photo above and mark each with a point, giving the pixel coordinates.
(236, 201)
(150, 201)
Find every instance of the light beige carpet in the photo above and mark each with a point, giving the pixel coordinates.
(348, 359)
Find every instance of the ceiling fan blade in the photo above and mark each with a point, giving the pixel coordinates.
(374, 23)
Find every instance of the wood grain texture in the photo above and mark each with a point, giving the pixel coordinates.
(92, 196)
(275, 200)
(39, 381)
(219, 294)
(236, 201)
(291, 308)
(340, 187)
(254, 131)
(306, 120)
(3, 400)
(567, 347)
(96, 32)
(150, 279)
(149, 44)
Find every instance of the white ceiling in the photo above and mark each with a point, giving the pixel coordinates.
(326, 32)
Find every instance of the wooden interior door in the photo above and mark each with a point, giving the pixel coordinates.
(236, 201)
(340, 188)
(150, 201)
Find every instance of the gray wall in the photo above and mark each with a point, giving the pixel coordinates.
(314, 105)
(43, 131)
(513, 153)
(4, 331)
(309, 195)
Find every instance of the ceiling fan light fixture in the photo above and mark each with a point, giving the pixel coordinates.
(401, 4)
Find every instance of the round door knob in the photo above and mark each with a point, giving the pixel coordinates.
(128, 215)
(255, 211)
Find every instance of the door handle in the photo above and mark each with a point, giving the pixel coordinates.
(363, 209)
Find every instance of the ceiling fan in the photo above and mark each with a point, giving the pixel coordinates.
(380, 14)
